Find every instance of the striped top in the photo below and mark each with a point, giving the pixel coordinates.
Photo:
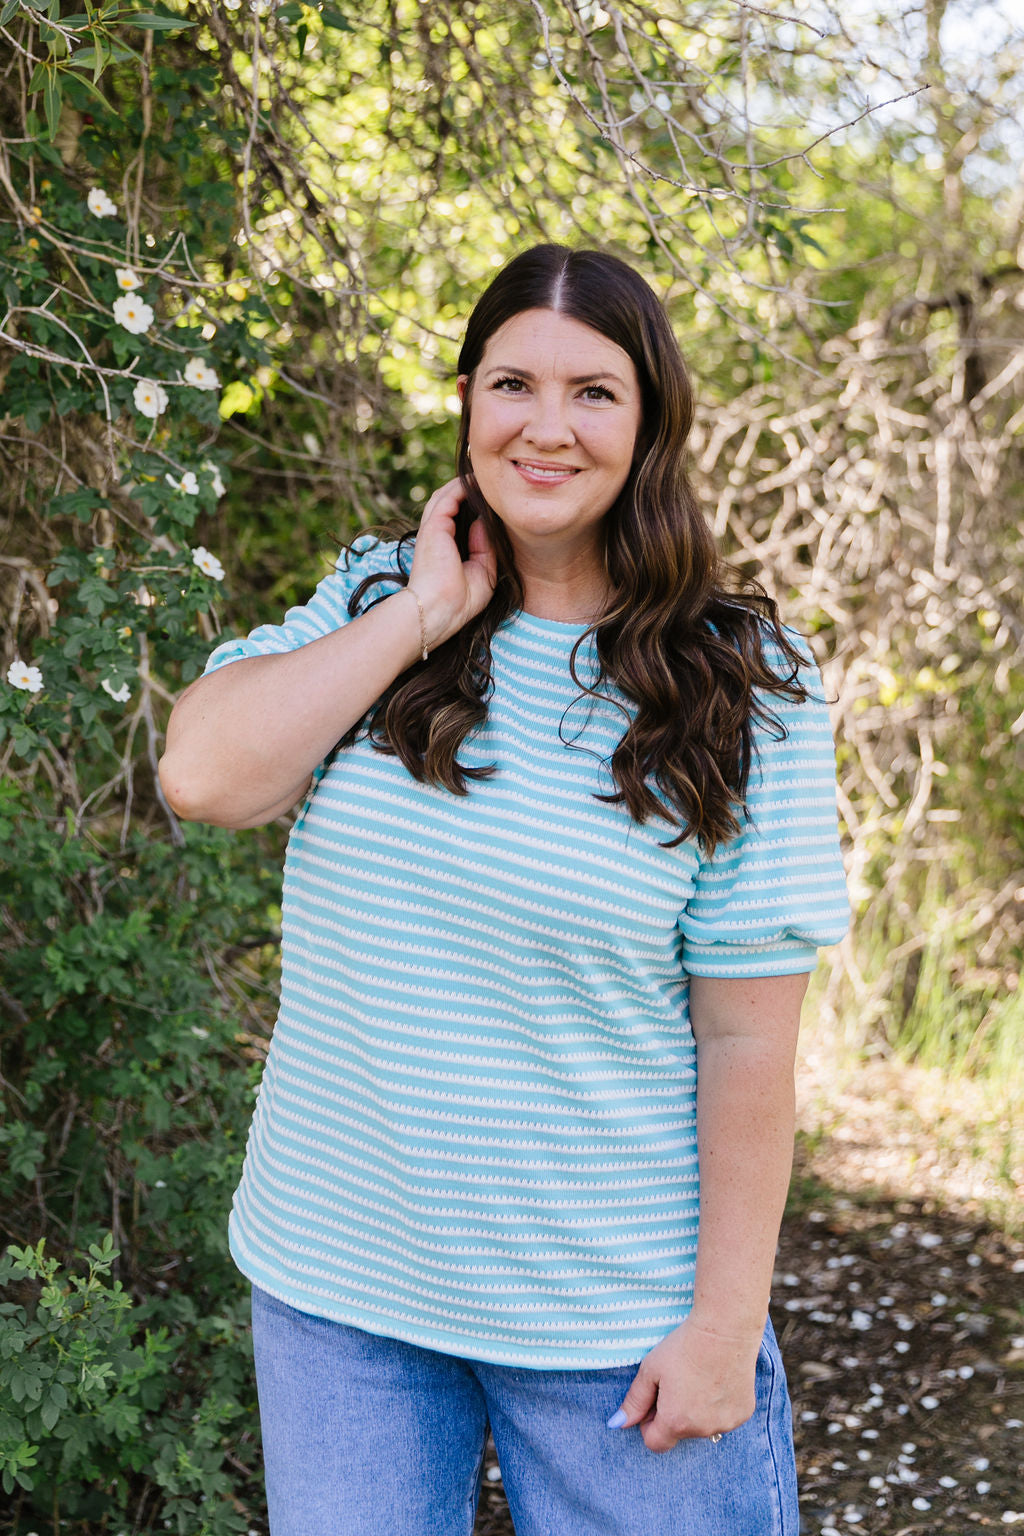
(476, 1126)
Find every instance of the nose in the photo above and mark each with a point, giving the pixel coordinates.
(548, 425)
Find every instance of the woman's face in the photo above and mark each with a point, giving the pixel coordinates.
(555, 411)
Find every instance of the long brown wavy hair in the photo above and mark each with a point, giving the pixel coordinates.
(683, 638)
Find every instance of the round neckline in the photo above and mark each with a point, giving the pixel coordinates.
(553, 626)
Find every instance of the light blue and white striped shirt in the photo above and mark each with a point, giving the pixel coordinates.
(476, 1127)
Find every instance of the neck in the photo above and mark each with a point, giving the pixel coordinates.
(574, 591)
(549, 601)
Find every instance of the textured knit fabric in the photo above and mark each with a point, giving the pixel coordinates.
(476, 1126)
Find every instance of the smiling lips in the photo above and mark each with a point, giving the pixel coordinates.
(544, 474)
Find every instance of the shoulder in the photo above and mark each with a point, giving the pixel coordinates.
(796, 662)
(789, 703)
(780, 655)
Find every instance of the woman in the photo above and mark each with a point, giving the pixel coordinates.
(566, 846)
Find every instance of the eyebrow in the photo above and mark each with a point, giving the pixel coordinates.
(585, 378)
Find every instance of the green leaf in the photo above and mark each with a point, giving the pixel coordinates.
(300, 39)
(49, 153)
(8, 11)
(99, 57)
(84, 80)
(806, 239)
(52, 103)
(335, 19)
(237, 398)
(81, 504)
(86, 58)
(155, 23)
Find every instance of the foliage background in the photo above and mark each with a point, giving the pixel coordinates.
(309, 197)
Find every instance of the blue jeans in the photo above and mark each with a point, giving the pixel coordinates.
(368, 1436)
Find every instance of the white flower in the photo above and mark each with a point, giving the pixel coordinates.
(100, 204)
(150, 399)
(21, 676)
(200, 375)
(188, 484)
(207, 563)
(134, 314)
(119, 695)
(218, 487)
(232, 5)
(127, 280)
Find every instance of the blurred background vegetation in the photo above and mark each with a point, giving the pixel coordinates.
(299, 203)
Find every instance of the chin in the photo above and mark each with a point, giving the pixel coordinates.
(542, 520)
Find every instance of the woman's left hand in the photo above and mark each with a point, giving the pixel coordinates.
(694, 1384)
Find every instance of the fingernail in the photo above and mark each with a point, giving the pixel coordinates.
(617, 1419)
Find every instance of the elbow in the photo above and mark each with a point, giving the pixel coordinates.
(187, 798)
(178, 789)
(192, 797)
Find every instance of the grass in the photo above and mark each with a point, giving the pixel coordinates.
(922, 1079)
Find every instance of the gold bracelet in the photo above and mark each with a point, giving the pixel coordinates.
(423, 622)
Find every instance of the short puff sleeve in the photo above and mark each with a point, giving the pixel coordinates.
(327, 609)
(765, 901)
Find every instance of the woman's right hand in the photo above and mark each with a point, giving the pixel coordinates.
(452, 590)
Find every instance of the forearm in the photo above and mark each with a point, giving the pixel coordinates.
(745, 1127)
(242, 743)
(745, 1124)
(699, 1380)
